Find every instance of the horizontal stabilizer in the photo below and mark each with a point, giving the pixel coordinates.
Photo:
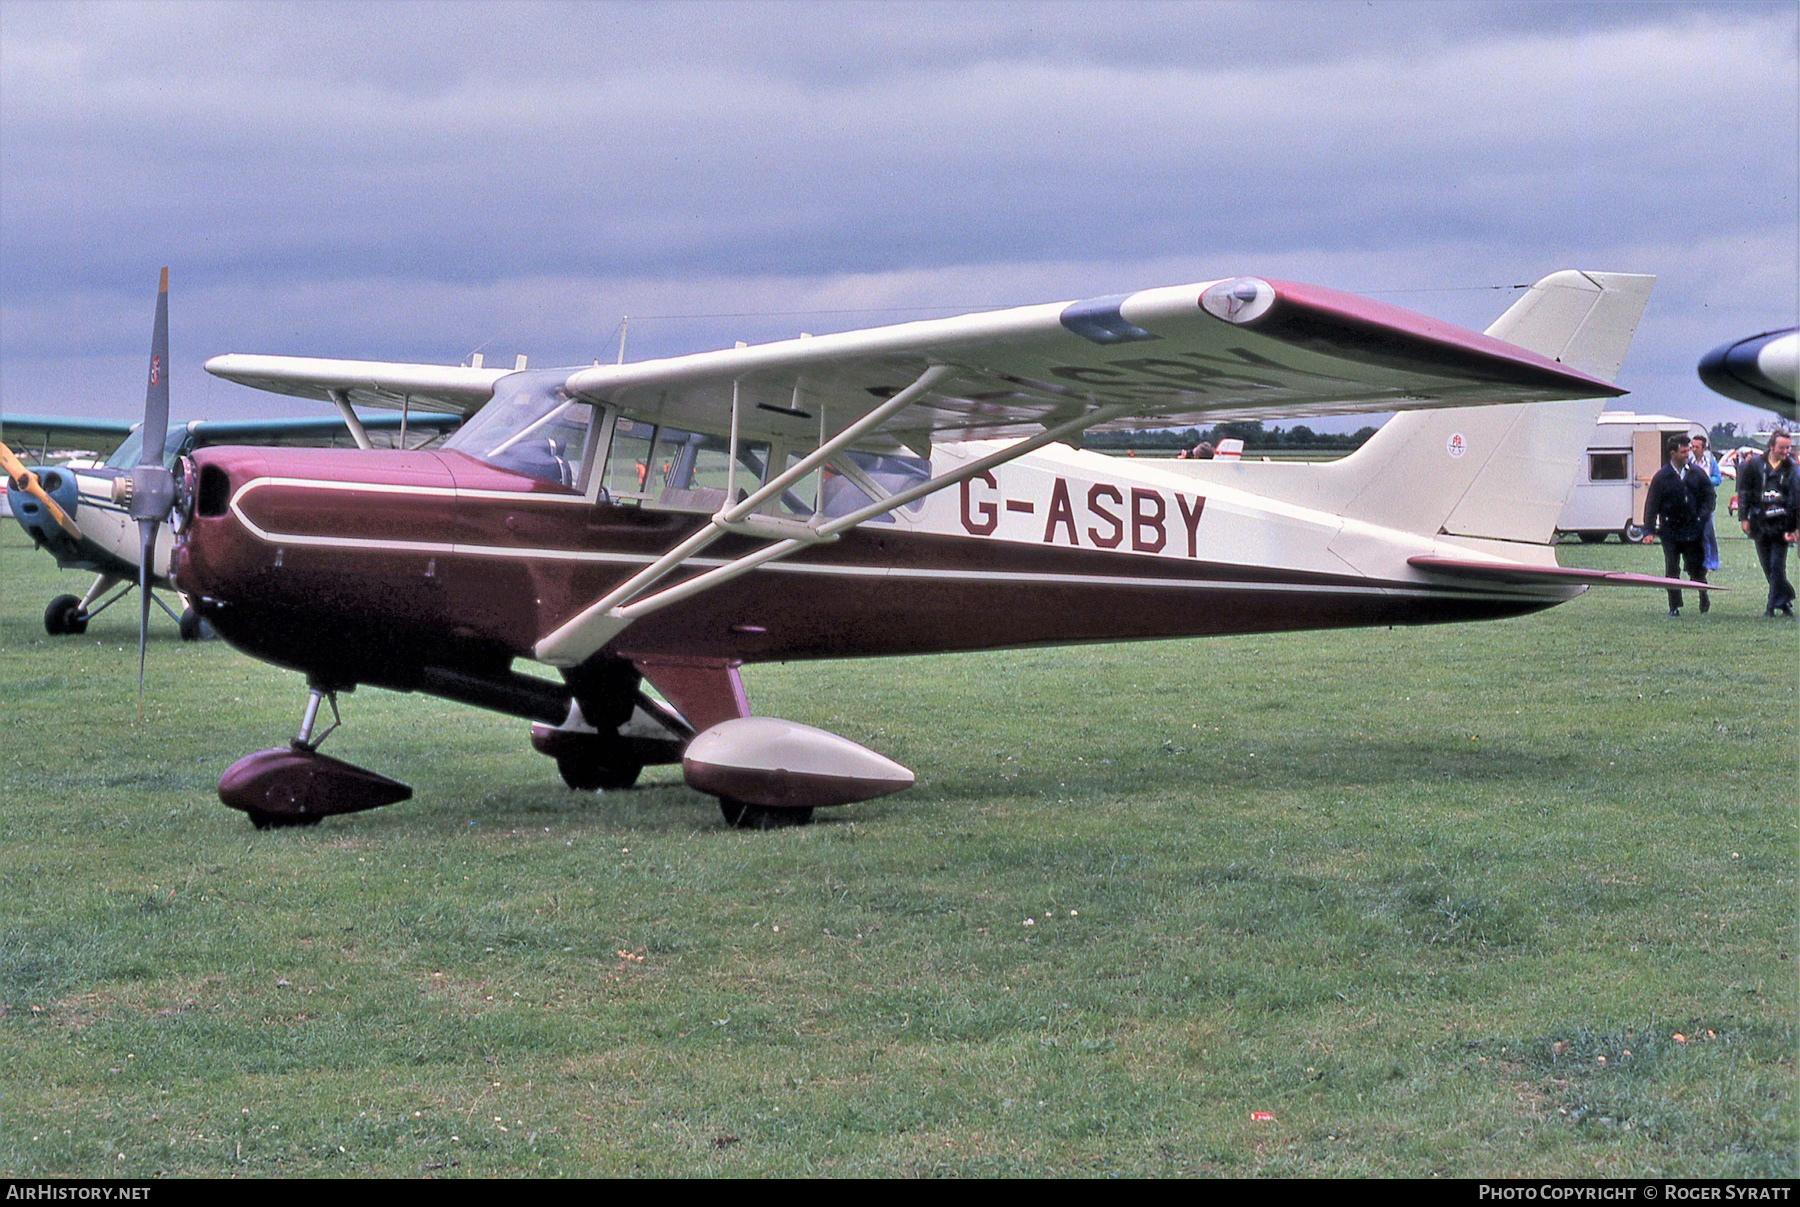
(1571, 575)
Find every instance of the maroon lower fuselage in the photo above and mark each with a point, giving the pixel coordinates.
(362, 567)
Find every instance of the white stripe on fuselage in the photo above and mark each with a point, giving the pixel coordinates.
(445, 548)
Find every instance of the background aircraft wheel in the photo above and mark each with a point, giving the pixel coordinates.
(280, 821)
(63, 616)
(585, 773)
(1592, 538)
(741, 815)
(1633, 534)
(192, 627)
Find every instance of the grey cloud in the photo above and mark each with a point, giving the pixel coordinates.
(404, 181)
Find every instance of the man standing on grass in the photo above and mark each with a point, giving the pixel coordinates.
(1769, 502)
(1680, 499)
(1707, 464)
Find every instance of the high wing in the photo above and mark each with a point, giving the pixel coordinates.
(1239, 348)
(51, 433)
(447, 389)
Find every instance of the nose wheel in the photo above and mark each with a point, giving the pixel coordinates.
(297, 786)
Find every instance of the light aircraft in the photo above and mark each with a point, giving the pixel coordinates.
(1762, 370)
(79, 513)
(897, 490)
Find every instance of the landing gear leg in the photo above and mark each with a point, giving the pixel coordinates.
(69, 616)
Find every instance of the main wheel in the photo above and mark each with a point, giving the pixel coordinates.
(1633, 534)
(192, 627)
(741, 815)
(64, 616)
(1592, 538)
(588, 773)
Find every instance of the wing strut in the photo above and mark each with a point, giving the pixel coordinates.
(354, 422)
(570, 644)
(580, 637)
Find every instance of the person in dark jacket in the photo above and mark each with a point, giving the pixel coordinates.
(1769, 503)
(1679, 502)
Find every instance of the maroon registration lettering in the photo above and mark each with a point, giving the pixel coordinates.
(1147, 512)
(1095, 493)
(1192, 520)
(1061, 514)
(990, 515)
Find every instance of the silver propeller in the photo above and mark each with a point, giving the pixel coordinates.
(152, 485)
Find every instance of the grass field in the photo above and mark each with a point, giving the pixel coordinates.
(1508, 899)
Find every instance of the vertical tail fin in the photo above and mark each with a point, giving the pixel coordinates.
(1502, 473)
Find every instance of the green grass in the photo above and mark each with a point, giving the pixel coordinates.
(1438, 900)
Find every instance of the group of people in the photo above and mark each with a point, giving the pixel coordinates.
(1679, 510)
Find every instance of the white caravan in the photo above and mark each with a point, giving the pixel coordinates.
(1623, 454)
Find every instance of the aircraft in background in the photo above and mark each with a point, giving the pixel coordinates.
(79, 512)
(101, 537)
(1762, 370)
(897, 490)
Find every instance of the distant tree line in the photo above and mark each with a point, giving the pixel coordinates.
(1729, 435)
(1256, 438)
(1302, 439)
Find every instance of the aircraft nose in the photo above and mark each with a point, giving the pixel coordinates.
(209, 544)
(35, 518)
(1762, 370)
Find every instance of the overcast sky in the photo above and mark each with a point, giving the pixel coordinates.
(414, 182)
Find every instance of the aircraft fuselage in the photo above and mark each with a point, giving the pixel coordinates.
(360, 567)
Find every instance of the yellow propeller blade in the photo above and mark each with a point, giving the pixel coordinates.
(23, 479)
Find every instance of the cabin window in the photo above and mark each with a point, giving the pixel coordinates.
(1607, 467)
(687, 471)
(628, 461)
(891, 474)
(799, 500)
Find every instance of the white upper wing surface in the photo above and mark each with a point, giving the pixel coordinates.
(1240, 348)
(446, 389)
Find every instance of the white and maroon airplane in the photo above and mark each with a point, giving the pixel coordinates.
(898, 490)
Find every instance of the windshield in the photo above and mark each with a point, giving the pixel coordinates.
(126, 455)
(530, 429)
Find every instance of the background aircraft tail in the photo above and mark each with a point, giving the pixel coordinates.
(1484, 473)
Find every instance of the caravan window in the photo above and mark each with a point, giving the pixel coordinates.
(1607, 467)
